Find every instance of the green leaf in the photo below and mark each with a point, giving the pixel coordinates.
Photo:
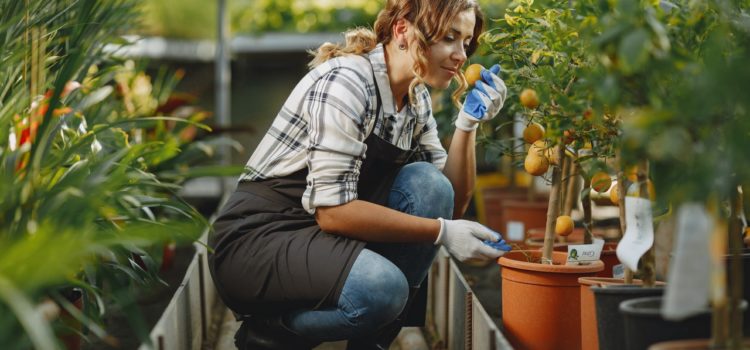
(634, 49)
(38, 330)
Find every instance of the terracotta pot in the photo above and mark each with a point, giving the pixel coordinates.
(535, 240)
(519, 216)
(690, 344)
(167, 258)
(541, 303)
(589, 329)
(70, 336)
(490, 211)
(609, 258)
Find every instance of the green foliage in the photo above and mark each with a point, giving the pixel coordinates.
(92, 152)
(677, 75)
(663, 81)
(538, 47)
(195, 19)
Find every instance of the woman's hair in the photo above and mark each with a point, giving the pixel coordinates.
(431, 20)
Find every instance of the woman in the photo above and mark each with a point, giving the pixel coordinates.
(341, 208)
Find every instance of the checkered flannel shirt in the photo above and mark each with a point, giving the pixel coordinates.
(324, 122)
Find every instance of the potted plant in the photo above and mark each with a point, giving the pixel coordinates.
(681, 130)
(543, 63)
(81, 193)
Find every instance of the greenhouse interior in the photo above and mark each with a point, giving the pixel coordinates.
(375, 174)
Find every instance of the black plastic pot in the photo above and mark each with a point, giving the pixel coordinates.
(610, 323)
(644, 325)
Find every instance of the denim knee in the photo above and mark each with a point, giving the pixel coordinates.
(374, 294)
(421, 189)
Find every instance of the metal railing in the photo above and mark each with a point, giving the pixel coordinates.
(454, 312)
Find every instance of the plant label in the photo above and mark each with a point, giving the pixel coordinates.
(618, 271)
(639, 233)
(580, 254)
(689, 276)
(515, 231)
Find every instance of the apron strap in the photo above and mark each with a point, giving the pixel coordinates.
(379, 104)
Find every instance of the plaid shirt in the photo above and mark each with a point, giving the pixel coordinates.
(324, 122)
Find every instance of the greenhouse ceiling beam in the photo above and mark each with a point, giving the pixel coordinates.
(205, 50)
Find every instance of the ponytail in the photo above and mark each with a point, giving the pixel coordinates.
(359, 41)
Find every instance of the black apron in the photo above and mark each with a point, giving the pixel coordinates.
(270, 256)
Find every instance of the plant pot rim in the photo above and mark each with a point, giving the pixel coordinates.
(625, 288)
(525, 203)
(518, 260)
(631, 306)
(611, 281)
(698, 344)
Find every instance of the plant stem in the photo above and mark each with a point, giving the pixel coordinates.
(648, 260)
(553, 211)
(564, 181)
(735, 270)
(628, 274)
(572, 191)
(588, 237)
(719, 319)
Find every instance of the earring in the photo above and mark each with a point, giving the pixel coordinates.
(402, 47)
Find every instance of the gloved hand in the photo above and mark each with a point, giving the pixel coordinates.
(464, 240)
(484, 101)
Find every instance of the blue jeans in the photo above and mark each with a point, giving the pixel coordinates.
(377, 288)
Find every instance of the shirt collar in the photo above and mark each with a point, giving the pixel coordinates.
(379, 67)
(377, 59)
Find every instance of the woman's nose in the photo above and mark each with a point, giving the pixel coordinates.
(459, 54)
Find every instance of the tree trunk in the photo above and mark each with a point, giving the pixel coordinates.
(648, 260)
(720, 319)
(588, 237)
(553, 211)
(621, 203)
(572, 190)
(564, 181)
(735, 269)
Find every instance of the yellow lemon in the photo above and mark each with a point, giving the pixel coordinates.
(529, 98)
(473, 73)
(533, 132)
(563, 225)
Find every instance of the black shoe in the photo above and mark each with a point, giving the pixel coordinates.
(269, 333)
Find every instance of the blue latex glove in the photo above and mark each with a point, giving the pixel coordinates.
(484, 101)
(499, 245)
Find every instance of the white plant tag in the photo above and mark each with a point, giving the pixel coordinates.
(515, 231)
(639, 234)
(689, 276)
(585, 253)
(618, 271)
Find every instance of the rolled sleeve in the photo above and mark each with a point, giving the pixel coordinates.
(337, 105)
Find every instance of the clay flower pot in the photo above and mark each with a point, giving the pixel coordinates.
(541, 302)
(519, 216)
(535, 240)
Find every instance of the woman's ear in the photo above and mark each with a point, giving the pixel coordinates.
(400, 31)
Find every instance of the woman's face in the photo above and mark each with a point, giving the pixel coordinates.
(448, 54)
